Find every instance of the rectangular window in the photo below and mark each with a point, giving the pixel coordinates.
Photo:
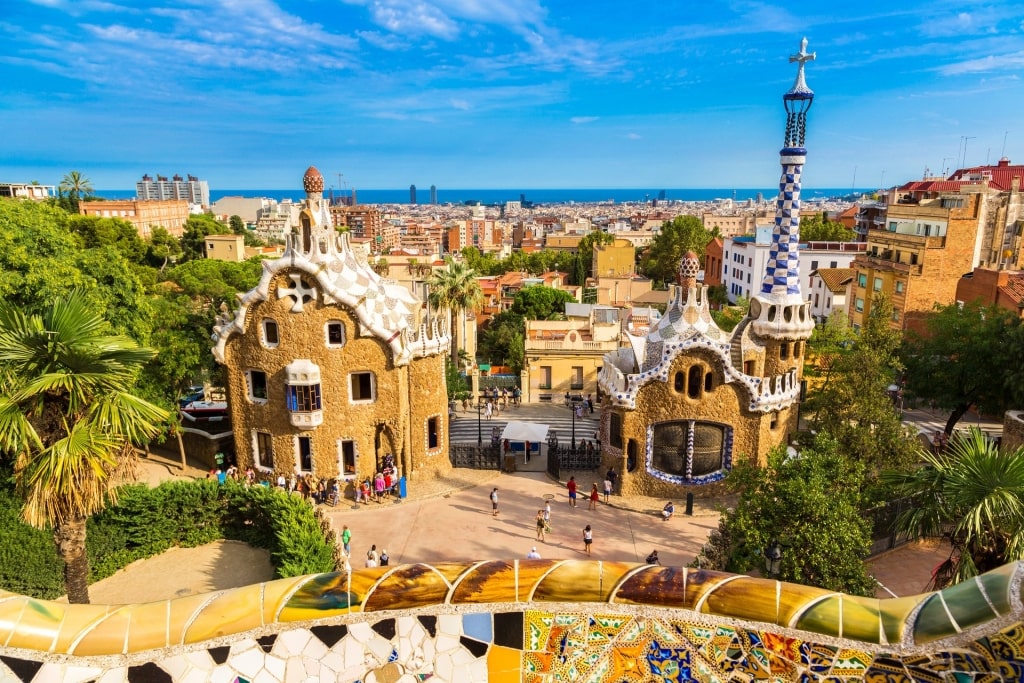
(860, 305)
(577, 377)
(895, 315)
(270, 336)
(833, 264)
(348, 458)
(256, 381)
(892, 226)
(899, 287)
(862, 280)
(304, 445)
(545, 377)
(335, 334)
(815, 300)
(877, 284)
(615, 431)
(433, 432)
(362, 386)
(304, 398)
(814, 265)
(263, 456)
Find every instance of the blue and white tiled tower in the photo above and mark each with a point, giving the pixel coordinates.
(779, 310)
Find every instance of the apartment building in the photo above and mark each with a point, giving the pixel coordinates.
(191, 189)
(170, 214)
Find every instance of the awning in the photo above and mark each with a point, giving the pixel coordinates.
(525, 431)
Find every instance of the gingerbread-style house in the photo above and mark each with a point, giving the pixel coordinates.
(330, 367)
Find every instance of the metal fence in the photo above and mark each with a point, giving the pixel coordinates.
(881, 518)
(475, 457)
(571, 459)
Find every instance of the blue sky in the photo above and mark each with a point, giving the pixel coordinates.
(502, 93)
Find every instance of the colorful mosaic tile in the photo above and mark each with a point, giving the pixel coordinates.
(651, 624)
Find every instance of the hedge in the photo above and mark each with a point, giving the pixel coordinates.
(147, 521)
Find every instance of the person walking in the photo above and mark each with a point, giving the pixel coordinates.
(571, 485)
(611, 476)
(547, 513)
(541, 525)
(488, 410)
(384, 559)
(590, 403)
(371, 556)
(533, 554)
(346, 540)
(588, 538)
(494, 502)
(378, 486)
(594, 497)
(607, 489)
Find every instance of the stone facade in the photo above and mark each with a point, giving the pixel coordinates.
(170, 214)
(1013, 430)
(329, 366)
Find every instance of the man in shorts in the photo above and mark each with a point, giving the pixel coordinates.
(572, 491)
(494, 502)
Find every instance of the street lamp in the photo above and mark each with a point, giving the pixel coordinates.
(773, 558)
(479, 429)
(573, 409)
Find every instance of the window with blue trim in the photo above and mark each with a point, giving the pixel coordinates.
(687, 451)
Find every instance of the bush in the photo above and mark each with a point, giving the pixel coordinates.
(147, 521)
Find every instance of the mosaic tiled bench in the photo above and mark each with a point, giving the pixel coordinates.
(525, 620)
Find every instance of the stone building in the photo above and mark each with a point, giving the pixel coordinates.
(329, 366)
(687, 400)
(170, 214)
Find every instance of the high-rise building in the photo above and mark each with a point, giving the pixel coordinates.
(433, 194)
(193, 190)
(412, 194)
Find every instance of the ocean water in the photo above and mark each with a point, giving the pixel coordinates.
(537, 196)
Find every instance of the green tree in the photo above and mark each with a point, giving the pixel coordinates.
(854, 406)
(455, 381)
(818, 228)
(678, 236)
(237, 225)
(73, 188)
(971, 494)
(962, 359)
(829, 342)
(585, 252)
(197, 229)
(540, 302)
(94, 232)
(68, 419)
(792, 499)
(504, 340)
(457, 291)
(162, 248)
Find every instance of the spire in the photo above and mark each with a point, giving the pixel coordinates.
(779, 308)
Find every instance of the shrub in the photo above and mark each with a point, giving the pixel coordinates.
(147, 521)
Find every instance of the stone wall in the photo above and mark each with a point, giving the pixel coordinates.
(525, 620)
(1013, 430)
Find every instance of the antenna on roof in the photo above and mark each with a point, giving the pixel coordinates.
(1003, 153)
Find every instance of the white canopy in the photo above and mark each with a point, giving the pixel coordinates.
(525, 431)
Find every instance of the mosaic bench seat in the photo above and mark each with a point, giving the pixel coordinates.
(524, 620)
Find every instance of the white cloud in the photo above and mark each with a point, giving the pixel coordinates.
(461, 105)
(632, 136)
(987, 64)
(584, 119)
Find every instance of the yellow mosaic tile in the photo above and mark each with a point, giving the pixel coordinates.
(183, 610)
(745, 598)
(39, 625)
(794, 598)
(822, 616)
(233, 611)
(274, 595)
(861, 619)
(109, 636)
(77, 620)
(147, 629)
(574, 581)
(410, 586)
(10, 613)
(490, 582)
(503, 664)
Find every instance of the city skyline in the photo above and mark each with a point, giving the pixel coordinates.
(509, 93)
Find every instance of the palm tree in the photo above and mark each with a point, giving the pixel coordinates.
(457, 291)
(75, 186)
(971, 494)
(68, 420)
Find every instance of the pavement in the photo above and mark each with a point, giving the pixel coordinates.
(450, 518)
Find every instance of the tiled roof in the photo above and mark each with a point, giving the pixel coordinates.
(1002, 174)
(1014, 288)
(836, 278)
(933, 186)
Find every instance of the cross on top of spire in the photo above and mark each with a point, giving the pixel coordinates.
(801, 57)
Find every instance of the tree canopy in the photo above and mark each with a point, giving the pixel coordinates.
(792, 500)
(818, 228)
(682, 234)
(964, 358)
(197, 229)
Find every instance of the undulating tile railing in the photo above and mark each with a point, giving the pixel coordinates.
(525, 620)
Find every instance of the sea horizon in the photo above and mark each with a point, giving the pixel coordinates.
(536, 196)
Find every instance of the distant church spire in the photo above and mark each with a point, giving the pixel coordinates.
(782, 275)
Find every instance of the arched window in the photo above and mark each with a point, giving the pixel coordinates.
(783, 350)
(694, 380)
(615, 431)
(709, 381)
(690, 452)
(680, 382)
